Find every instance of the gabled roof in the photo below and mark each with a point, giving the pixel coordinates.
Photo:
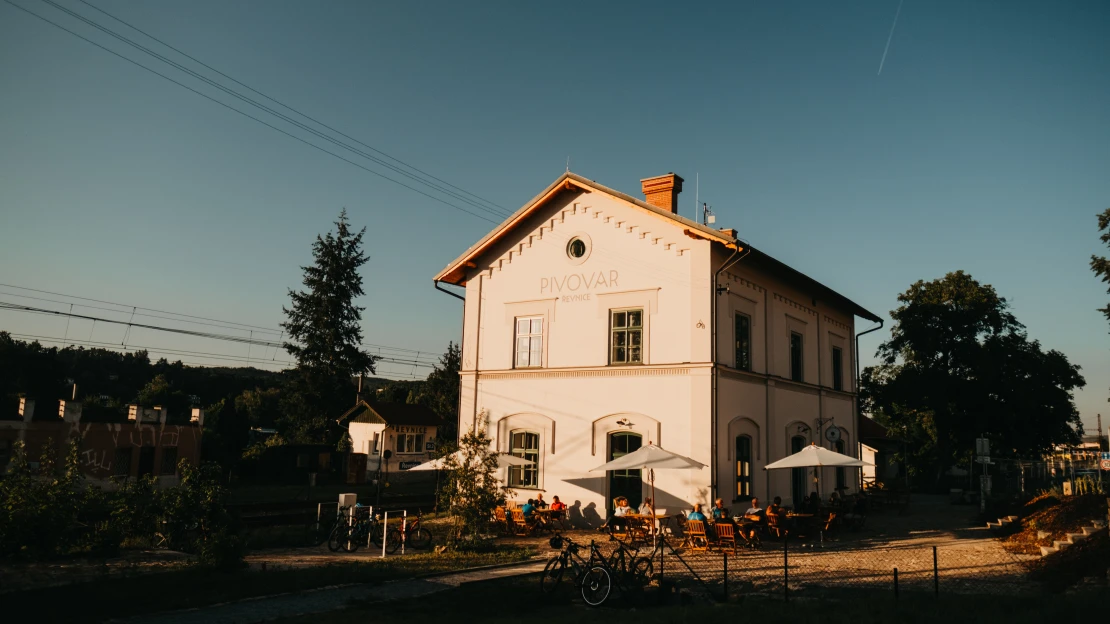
(366, 411)
(456, 271)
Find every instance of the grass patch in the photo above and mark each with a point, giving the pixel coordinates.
(198, 587)
(511, 600)
(1056, 516)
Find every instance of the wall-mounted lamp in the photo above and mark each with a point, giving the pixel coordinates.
(624, 422)
(803, 429)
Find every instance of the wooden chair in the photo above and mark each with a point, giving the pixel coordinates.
(696, 538)
(776, 525)
(500, 521)
(827, 527)
(520, 525)
(726, 535)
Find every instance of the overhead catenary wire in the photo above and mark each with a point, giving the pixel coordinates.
(248, 115)
(287, 107)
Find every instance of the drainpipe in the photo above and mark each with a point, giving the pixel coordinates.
(462, 346)
(859, 411)
(477, 355)
(732, 260)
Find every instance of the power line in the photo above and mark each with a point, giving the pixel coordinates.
(247, 115)
(269, 110)
(290, 108)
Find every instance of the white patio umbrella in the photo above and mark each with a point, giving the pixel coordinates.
(814, 456)
(651, 458)
(503, 460)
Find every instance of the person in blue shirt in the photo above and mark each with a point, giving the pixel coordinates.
(528, 509)
(720, 512)
(696, 514)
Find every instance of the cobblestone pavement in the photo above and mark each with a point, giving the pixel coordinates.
(268, 608)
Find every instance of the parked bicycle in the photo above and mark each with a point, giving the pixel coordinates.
(356, 526)
(596, 576)
(415, 535)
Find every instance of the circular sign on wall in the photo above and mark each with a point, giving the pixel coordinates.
(832, 434)
(1105, 464)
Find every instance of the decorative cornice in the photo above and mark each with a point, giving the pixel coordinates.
(749, 284)
(795, 304)
(835, 323)
(612, 371)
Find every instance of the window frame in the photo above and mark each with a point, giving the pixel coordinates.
(628, 330)
(407, 440)
(531, 335)
(837, 368)
(841, 476)
(745, 479)
(746, 349)
(517, 475)
(797, 370)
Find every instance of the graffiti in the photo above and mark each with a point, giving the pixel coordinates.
(93, 461)
(169, 438)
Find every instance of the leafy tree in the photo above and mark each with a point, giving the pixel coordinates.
(469, 489)
(959, 365)
(160, 392)
(1100, 264)
(323, 324)
(440, 392)
(261, 407)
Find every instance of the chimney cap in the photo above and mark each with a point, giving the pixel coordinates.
(662, 191)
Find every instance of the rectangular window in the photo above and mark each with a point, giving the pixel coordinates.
(838, 368)
(743, 342)
(526, 445)
(410, 443)
(626, 336)
(169, 461)
(529, 342)
(841, 479)
(795, 356)
(743, 467)
(374, 445)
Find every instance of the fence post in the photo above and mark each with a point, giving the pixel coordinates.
(662, 584)
(896, 583)
(726, 575)
(785, 569)
(936, 574)
(404, 527)
(385, 532)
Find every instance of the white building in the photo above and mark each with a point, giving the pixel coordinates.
(595, 322)
(407, 431)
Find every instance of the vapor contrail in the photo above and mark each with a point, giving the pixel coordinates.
(889, 37)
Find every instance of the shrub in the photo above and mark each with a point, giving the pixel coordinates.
(469, 490)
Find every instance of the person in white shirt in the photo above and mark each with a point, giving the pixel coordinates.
(622, 508)
(646, 509)
(756, 515)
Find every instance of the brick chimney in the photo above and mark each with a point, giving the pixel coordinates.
(662, 191)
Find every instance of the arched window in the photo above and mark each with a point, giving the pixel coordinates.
(626, 483)
(743, 467)
(840, 480)
(797, 475)
(526, 445)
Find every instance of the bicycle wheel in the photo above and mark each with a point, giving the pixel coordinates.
(355, 539)
(552, 575)
(392, 541)
(643, 570)
(596, 586)
(337, 537)
(420, 539)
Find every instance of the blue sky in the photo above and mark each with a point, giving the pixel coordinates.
(984, 145)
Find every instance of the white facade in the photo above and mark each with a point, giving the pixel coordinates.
(540, 319)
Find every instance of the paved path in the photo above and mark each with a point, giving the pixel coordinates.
(268, 608)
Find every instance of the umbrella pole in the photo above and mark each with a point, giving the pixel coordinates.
(651, 478)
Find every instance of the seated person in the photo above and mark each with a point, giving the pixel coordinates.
(558, 505)
(696, 513)
(812, 504)
(834, 499)
(776, 507)
(755, 511)
(620, 509)
(720, 512)
(528, 509)
(646, 509)
(539, 503)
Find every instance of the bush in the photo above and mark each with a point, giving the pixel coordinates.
(50, 512)
(469, 490)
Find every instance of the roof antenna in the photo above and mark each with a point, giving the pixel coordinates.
(568, 164)
(697, 189)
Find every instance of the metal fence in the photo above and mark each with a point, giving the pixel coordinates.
(791, 569)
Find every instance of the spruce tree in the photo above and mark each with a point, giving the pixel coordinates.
(325, 336)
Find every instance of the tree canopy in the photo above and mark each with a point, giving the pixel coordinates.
(1100, 264)
(959, 365)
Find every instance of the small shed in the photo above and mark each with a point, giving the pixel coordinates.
(406, 430)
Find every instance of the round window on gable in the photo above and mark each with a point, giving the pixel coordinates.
(576, 248)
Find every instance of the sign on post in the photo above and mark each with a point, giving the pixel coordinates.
(982, 446)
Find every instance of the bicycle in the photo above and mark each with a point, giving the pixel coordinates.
(568, 557)
(355, 529)
(415, 535)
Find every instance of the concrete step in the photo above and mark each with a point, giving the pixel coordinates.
(1043, 535)
(1089, 530)
(1076, 537)
(1012, 518)
(994, 526)
(1048, 550)
(1061, 544)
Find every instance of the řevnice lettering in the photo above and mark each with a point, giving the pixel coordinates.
(578, 281)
